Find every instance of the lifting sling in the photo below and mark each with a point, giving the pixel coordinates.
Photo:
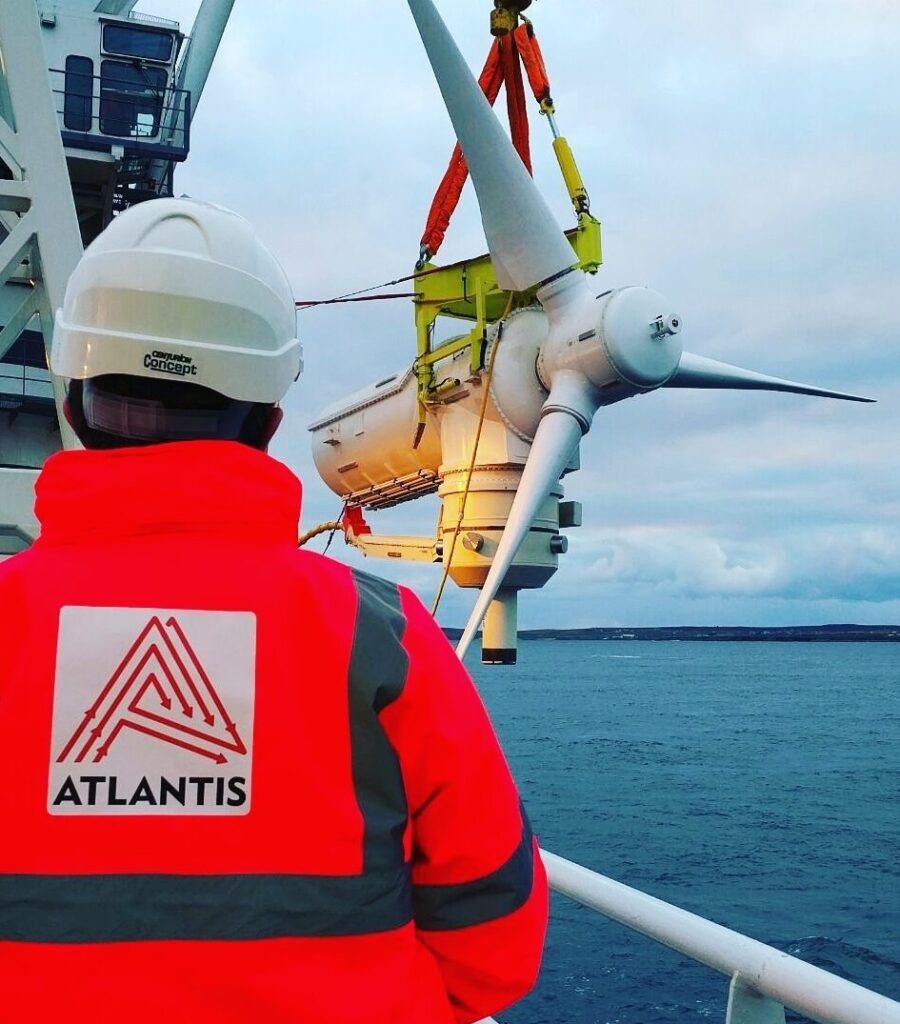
(509, 53)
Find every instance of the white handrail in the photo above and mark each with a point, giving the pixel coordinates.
(792, 982)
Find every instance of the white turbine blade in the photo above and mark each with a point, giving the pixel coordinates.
(527, 245)
(555, 441)
(700, 372)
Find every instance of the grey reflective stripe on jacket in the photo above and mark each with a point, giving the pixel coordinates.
(131, 907)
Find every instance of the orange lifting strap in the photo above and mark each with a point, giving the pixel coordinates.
(507, 56)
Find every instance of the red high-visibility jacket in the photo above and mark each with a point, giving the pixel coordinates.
(241, 782)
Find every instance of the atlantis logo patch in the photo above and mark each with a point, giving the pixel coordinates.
(152, 712)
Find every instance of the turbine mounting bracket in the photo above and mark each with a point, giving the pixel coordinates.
(468, 290)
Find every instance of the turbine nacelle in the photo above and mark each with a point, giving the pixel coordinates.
(626, 342)
(592, 351)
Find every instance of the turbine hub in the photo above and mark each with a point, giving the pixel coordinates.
(632, 340)
(639, 331)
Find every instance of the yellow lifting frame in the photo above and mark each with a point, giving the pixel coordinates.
(468, 290)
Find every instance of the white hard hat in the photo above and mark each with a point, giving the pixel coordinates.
(176, 289)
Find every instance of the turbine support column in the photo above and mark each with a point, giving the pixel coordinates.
(555, 444)
(499, 639)
(488, 505)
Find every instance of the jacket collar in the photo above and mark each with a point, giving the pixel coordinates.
(187, 486)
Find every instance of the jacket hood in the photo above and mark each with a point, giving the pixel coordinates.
(187, 486)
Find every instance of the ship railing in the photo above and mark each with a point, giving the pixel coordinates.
(132, 107)
(763, 980)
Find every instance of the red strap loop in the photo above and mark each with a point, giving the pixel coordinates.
(507, 56)
(533, 59)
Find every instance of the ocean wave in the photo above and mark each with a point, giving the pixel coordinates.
(815, 947)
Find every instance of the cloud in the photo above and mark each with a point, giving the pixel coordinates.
(672, 559)
(846, 563)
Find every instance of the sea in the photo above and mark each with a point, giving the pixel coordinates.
(756, 784)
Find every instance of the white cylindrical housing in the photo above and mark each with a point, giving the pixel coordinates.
(491, 494)
(366, 441)
(631, 346)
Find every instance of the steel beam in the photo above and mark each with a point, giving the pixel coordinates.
(17, 323)
(16, 196)
(206, 34)
(38, 224)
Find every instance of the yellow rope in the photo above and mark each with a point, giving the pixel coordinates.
(320, 529)
(486, 384)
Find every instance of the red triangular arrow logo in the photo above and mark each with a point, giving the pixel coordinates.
(159, 689)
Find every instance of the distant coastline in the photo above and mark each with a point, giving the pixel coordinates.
(834, 633)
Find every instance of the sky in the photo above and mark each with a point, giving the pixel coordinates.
(744, 161)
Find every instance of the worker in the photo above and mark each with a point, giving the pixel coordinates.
(243, 782)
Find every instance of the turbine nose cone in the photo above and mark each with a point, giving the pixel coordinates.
(640, 333)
